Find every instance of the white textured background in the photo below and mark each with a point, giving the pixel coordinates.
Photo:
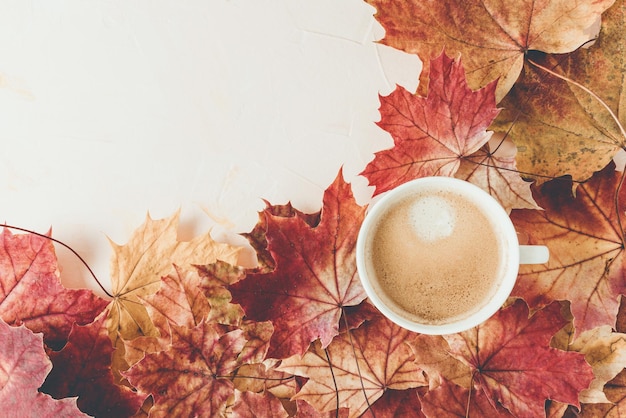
(110, 109)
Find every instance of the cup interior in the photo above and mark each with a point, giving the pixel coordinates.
(503, 227)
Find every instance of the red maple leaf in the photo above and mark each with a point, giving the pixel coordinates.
(31, 293)
(511, 360)
(586, 241)
(397, 403)
(432, 134)
(23, 367)
(314, 278)
(192, 376)
(83, 368)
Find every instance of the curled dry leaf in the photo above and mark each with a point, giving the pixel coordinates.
(23, 367)
(585, 239)
(315, 274)
(137, 268)
(492, 36)
(432, 134)
(559, 127)
(31, 293)
(357, 368)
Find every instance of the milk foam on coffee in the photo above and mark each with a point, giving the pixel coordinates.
(432, 218)
(435, 257)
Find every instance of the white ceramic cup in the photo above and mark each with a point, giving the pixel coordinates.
(515, 254)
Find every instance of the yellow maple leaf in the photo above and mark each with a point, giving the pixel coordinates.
(137, 268)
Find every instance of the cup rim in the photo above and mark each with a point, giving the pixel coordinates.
(485, 201)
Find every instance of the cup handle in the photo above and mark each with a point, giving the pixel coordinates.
(533, 254)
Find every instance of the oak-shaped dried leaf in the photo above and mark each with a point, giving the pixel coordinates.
(193, 376)
(492, 36)
(559, 127)
(605, 351)
(23, 367)
(32, 294)
(137, 268)
(83, 369)
(513, 364)
(585, 239)
(357, 368)
(432, 134)
(493, 169)
(315, 274)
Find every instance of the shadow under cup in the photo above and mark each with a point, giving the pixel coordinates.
(437, 243)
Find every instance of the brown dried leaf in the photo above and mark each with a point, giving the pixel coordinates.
(605, 351)
(584, 236)
(492, 36)
(356, 368)
(560, 127)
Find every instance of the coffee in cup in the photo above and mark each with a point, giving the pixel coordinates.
(439, 255)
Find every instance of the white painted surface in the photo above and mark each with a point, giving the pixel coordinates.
(110, 109)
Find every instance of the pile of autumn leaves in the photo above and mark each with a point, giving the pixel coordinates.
(189, 333)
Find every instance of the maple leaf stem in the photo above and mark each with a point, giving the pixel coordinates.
(617, 211)
(514, 170)
(358, 368)
(243, 376)
(81, 259)
(332, 373)
(586, 90)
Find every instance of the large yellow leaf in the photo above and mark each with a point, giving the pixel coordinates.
(137, 268)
